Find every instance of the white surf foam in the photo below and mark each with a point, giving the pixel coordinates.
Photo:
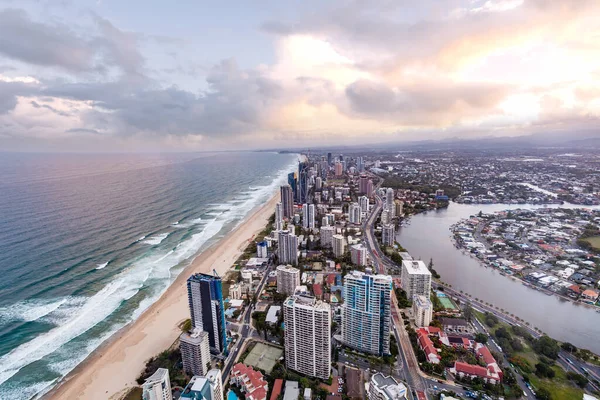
(100, 266)
(29, 310)
(157, 239)
(140, 239)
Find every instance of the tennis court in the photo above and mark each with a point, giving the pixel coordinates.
(445, 301)
(263, 357)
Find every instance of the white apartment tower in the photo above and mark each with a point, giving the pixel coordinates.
(366, 313)
(288, 278)
(358, 254)
(157, 386)
(215, 380)
(416, 278)
(288, 248)
(354, 213)
(339, 245)
(389, 202)
(422, 310)
(388, 235)
(364, 203)
(195, 352)
(326, 233)
(279, 217)
(307, 336)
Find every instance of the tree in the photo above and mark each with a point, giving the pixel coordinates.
(468, 312)
(543, 394)
(481, 338)
(547, 347)
(569, 347)
(579, 379)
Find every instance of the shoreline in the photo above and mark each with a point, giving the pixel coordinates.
(115, 364)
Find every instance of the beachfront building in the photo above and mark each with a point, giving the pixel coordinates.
(308, 216)
(366, 313)
(416, 278)
(339, 245)
(383, 387)
(236, 291)
(251, 382)
(358, 254)
(388, 235)
(326, 233)
(422, 310)
(278, 216)
(288, 278)
(262, 249)
(157, 386)
(307, 335)
(287, 201)
(205, 297)
(288, 247)
(195, 352)
(208, 387)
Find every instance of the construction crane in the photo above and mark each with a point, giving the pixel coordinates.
(215, 273)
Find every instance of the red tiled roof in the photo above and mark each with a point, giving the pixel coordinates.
(277, 385)
(471, 369)
(331, 279)
(317, 290)
(484, 352)
(257, 394)
(575, 288)
(256, 387)
(433, 329)
(426, 343)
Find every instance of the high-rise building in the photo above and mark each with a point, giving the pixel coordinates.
(308, 216)
(287, 247)
(157, 386)
(362, 185)
(384, 387)
(369, 187)
(262, 250)
(208, 387)
(293, 182)
(388, 235)
(302, 182)
(205, 296)
(385, 216)
(339, 245)
(416, 278)
(307, 336)
(329, 158)
(364, 204)
(195, 352)
(318, 183)
(360, 164)
(354, 214)
(422, 310)
(358, 254)
(326, 233)
(366, 318)
(399, 205)
(389, 202)
(288, 278)
(279, 216)
(338, 169)
(287, 201)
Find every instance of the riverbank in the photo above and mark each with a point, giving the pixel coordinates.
(114, 366)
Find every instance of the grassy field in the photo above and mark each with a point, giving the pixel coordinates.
(134, 394)
(594, 241)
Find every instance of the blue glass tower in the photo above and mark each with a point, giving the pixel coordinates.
(293, 184)
(205, 296)
(302, 182)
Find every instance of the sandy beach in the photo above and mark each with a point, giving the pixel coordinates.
(115, 365)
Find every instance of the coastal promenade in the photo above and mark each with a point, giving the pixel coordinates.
(115, 365)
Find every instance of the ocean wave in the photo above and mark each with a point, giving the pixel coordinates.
(100, 266)
(29, 310)
(156, 240)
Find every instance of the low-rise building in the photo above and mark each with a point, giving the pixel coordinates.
(456, 326)
(462, 370)
(427, 346)
(383, 387)
(251, 382)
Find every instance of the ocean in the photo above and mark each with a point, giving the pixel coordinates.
(88, 242)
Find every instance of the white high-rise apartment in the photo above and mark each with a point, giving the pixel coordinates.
(416, 278)
(388, 235)
(157, 386)
(385, 217)
(215, 379)
(364, 203)
(339, 245)
(208, 387)
(308, 216)
(358, 254)
(195, 352)
(422, 310)
(307, 336)
(279, 217)
(288, 247)
(288, 278)
(354, 213)
(389, 201)
(366, 313)
(327, 235)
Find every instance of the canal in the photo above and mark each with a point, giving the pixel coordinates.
(427, 235)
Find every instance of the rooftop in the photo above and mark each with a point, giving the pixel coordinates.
(415, 267)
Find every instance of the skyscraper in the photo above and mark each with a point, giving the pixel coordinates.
(293, 182)
(205, 298)
(389, 202)
(338, 169)
(287, 247)
(354, 213)
(327, 235)
(302, 182)
(262, 249)
(308, 216)
(366, 312)
(364, 204)
(288, 278)
(362, 185)
(287, 201)
(388, 235)
(416, 279)
(307, 336)
(279, 216)
(195, 352)
(209, 387)
(358, 254)
(157, 386)
(329, 158)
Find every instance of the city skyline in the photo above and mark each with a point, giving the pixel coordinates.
(105, 76)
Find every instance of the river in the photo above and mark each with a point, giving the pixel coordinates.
(428, 235)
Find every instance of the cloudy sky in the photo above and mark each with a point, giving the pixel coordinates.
(104, 75)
